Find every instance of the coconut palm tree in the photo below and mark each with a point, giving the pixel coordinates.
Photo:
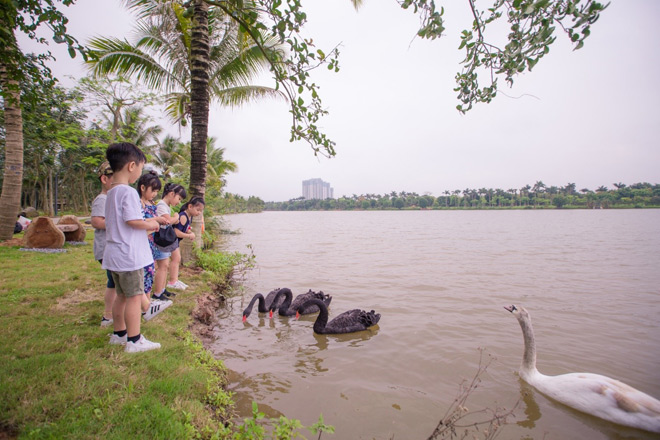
(169, 153)
(193, 59)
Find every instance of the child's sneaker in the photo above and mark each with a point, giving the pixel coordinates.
(167, 294)
(105, 322)
(117, 340)
(143, 344)
(177, 285)
(160, 298)
(155, 308)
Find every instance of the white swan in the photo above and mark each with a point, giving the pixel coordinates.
(593, 394)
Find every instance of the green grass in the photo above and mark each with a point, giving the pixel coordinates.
(59, 377)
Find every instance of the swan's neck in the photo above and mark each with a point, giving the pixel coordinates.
(528, 366)
(284, 307)
(322, 319)
(262, 303)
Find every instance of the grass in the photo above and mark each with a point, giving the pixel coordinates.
(61, 379)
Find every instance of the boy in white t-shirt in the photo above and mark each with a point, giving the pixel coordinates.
(127, 249)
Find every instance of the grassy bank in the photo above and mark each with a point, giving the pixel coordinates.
(59, 377)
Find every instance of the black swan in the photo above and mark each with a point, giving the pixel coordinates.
(348, 322)
(591, 393)
(287, 308)
(264, 303)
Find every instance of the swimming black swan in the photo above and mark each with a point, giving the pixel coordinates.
(287, 308)
(264, 303)
(593, 394)
(348, 322)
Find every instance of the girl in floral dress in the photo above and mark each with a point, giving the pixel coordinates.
(148, 186)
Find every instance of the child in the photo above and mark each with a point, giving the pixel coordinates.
(183, 229)
(127, 247)
(148, 186)
(98, 223)
(172, 196)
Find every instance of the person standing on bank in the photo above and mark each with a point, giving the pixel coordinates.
(172, 195)
(98, 223)
(183, 229)
(127, 249)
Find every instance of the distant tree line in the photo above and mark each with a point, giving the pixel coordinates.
(638, 195)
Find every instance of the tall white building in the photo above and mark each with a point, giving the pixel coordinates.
(317, 189)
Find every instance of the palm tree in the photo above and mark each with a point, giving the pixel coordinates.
(134, 128)
(218, 167)
(10, 199)
(192, 59)
(169, 153)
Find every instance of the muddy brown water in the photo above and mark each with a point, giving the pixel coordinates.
(590, 280)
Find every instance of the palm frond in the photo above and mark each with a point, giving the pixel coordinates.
(236, 96)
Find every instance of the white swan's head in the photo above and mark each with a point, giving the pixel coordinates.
(519, 312)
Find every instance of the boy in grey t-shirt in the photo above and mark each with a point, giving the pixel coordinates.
(98, 223)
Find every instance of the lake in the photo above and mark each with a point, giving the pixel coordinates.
(589, 278)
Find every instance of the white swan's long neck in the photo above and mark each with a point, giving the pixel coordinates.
(528, 366)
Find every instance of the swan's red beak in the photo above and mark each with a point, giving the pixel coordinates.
(244, 318)
(270, 314)
(297, 315)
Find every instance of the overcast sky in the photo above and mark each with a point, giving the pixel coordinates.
(588, 117)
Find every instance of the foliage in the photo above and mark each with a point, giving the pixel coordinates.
(224, 267)
(532, 26)
(283, 428)
(638, 195)
(230, 203)
(26, 16)
(161, 57)
(532, 31)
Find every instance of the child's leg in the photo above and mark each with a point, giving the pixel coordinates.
(174, 266)
(161, 276)
(145, 302)
(118, 309)
(149, 273)
(133, 315)
(109, 299)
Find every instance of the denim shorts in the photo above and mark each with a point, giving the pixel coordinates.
(111, 283)
(160, 255)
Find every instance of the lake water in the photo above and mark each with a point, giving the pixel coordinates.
(589, 278)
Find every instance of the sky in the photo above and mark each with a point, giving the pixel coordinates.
(587, 117)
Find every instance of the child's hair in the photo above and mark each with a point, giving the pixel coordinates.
(122, 153)
(175, 188)
(192, 202)
(149, 180)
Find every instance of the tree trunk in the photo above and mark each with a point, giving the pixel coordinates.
(199, 99)
(10, 199)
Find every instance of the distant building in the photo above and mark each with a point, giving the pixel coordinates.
(317, 189)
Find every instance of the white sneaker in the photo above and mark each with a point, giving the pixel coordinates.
(117, 340)
(155, 308)
(105, 322)
(143, 344)
(178, 285)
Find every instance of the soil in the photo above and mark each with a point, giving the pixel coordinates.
(17, 241)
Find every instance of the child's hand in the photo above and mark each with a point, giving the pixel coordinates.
(162, 220)
(191, 235)
(152, 224)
